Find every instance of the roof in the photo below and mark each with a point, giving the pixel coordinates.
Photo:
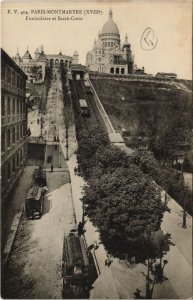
(75, 53)
(83, 103)
(115, 138)
(42, 56)
(74, 251)
(110, 26)
(78, 67)
(7, 59)
(165, 73)
(27, 55)
(34, 193)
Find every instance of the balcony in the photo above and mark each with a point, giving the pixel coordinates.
(12, 89)
(8, 120)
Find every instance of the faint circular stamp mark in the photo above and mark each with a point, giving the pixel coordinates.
(148, 39)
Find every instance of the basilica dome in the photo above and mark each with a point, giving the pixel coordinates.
(110, 27)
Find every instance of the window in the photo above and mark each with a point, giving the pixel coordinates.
(8, 75)
(18, 133)
(108, 44)
(17, 106)
(117, 70)
(3, 71)
(21, 131)
(8, 138)
(21, 84)
(23, 107)
(9, 171)
(13, 106)
(3, 141)
(122, 71)
(112, 70)
(21, 155)
(13, 135)
(18, 82)
(3, 106)
(17, 159)
(20, 107)
(13, 164)
(8, 106)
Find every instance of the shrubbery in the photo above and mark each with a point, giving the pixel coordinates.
(167, 177)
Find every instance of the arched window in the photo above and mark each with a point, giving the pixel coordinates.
(8, 75)
(17, 159)
(9, 171)
(21, 155)
(3, 106)
(23, 107)
(108, 44)
(8, 106)
(18, 133)
(3, 141)
(111, 44)
(13, 164)
(8, 138)
(21, 131)
(13, 135)
(17, 106)
(117, 70)
(20, 107)
(122, 71)
(112, 70)
(13, 106)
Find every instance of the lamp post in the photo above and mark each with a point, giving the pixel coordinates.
(183, 195)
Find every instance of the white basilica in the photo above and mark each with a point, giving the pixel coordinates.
(107, 54)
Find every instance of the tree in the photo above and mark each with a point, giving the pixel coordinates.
(124, 205)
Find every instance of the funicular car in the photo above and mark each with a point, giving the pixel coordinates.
(84, 108)
(34, 202)
(77, 268)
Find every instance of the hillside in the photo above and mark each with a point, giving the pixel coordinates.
(146, 109)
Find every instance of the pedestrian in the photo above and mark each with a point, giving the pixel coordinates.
(80, 228)
(52, 168)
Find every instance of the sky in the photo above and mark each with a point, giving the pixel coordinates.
(171, 22)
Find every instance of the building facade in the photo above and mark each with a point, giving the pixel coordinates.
(107, 54)
(13, 123)
(35, 67)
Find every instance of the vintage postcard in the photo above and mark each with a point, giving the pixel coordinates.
(96, 149)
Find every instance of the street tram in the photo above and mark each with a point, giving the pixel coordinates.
(35, 198)
(78, 272)
(34, 202)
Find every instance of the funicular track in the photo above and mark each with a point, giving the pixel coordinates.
(79, 92)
